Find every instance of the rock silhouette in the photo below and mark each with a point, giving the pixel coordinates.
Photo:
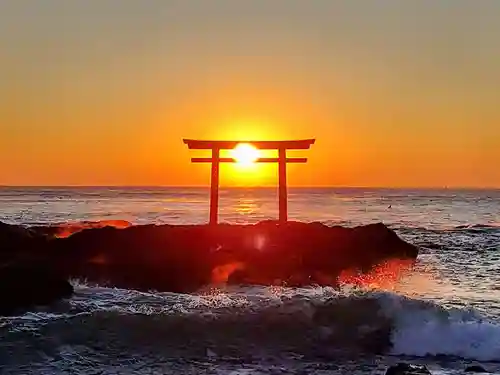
(407, 369)
(476, 369)
(24, 287)
(184, 258)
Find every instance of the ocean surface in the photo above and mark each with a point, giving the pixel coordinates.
(445, 312)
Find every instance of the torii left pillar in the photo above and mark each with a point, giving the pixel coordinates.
(214, 186)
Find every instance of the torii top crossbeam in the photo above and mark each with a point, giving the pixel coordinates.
(301, 144)
(282, 160)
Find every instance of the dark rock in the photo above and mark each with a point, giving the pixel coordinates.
(407, 369)
(184, 258)
(476, 368)
(14, 238)
(62, 230)
(21, 245)
(25, 287)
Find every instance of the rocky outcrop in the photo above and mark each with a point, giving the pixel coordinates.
(476, 369)
(410, 369)
(17, 242)
(62, 230)
(407, 369)
(23, 287)
(27, 278)
(184, 258)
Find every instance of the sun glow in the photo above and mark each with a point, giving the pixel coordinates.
(245, 154)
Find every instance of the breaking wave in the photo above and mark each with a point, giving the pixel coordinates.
(255, 322)
(427, 329)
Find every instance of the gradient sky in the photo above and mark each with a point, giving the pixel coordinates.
(397, 93)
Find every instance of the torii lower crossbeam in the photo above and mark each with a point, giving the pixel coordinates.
(282, 160)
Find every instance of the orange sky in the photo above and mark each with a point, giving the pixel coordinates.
(102, 93)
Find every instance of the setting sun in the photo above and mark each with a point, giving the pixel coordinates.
(245, 154)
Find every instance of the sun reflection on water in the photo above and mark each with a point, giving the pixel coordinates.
(246, 206)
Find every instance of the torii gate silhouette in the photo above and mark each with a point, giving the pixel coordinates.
(282, 160)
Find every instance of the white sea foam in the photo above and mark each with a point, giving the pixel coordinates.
(478, 340)
(424, 328)
(420, 327)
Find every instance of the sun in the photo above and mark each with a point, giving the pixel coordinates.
(245, 154)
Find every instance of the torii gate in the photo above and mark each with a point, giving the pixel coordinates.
(282, 160)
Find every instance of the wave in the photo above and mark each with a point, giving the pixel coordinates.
(488, 227)
(478, 227)
(473, 237)
(427, 329)
(255, 322)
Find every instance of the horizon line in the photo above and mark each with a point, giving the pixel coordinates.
(76, 186)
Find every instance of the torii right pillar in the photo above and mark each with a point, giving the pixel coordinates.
(282, 188)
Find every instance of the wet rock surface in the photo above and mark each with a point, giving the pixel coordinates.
(184, 258)
(24, 287)
(476, 369)
(407, 369)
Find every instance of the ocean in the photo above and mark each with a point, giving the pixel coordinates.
(445, 311)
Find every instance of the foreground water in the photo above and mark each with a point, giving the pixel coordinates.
(445, 312)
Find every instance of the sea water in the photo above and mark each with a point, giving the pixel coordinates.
(445, 312)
